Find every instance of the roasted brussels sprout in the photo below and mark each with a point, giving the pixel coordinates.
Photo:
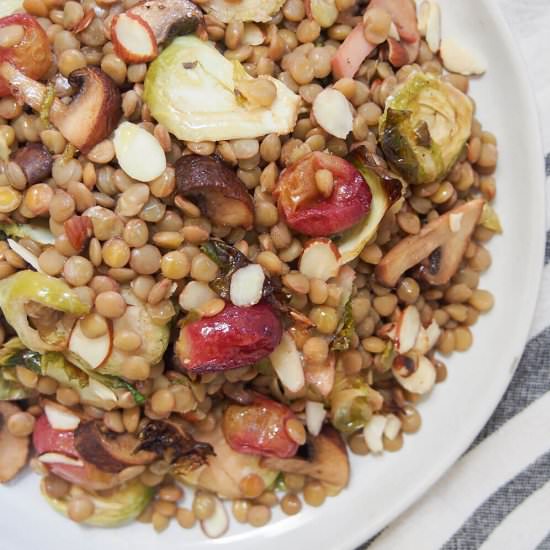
(112, 509)
(192, 89)
(51, 304)
(424, 128)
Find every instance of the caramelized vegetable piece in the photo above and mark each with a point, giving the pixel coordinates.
(225, 469)
(109, 451)
(425, 126)
(62, 443)
(447, 237)
(31, 55)
(35, 161)
(259, 428)
(91, 116)
(216, 190)
(236, 337)
(14, 451)
(168, 18)
(326, 459)
(304, 207)
(245, 10)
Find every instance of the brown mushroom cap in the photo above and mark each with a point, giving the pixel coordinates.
(440, 233)
(14, 451)
(91, 116)
(216, 189)
(167, 18)
(327, 459)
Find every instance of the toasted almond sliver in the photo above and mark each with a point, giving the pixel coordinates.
(459, 59)
(433, 29)
(333, 112)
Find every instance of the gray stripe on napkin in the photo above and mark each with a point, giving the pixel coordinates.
(531, 381)
(490, 514)
(545, 544)
(547, 162)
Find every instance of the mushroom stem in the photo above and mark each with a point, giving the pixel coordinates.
(91, 116)
(26, 89)
(451, 232)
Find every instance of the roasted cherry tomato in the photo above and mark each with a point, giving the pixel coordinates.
(31, 55)
(259, 428)
(307, 210)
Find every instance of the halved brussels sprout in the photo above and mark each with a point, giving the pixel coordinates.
(424, 128)
(137, 319)
(94, 389)
(50, 302)
(386, 191)
(191, 88)
(112, 508)
(38, 233)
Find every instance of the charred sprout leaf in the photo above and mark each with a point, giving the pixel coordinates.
(14, 354)
(113, 508)
(229, 259)
(342, 342)
(115, 382)
(424, 128)
(489, 219)
(11, 389)
(170, 437)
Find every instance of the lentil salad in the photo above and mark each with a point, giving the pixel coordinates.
(236, 240)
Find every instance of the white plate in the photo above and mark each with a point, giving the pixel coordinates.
(383, 487)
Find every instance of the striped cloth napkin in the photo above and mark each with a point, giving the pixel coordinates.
(497, 496)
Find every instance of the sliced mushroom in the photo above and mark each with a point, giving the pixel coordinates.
(91, 116)
(216, 189)
(35, 161)
(326, 459)
(14, 451)
(109, 451)
(169, 17)
(447, 236)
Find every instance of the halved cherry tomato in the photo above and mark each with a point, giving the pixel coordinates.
(306, 210)
(32, 55)
(259, 428)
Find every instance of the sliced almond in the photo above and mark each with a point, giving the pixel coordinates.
(457, 58)
(27, 255)
(247, 285)
(287, 363)
(218, 523)
(315, 416)
(392, 427)
(252, 35)
(422, 380)
(373, 433)
(92, 350)
(58, 458)
(427, 338)
(61, 418)
(138, 152)
(320, 259)
(394, 33)
(423, 15)
(433, 29)
(333, 112)
(195, 294)
(407, 329)
(133, 39)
